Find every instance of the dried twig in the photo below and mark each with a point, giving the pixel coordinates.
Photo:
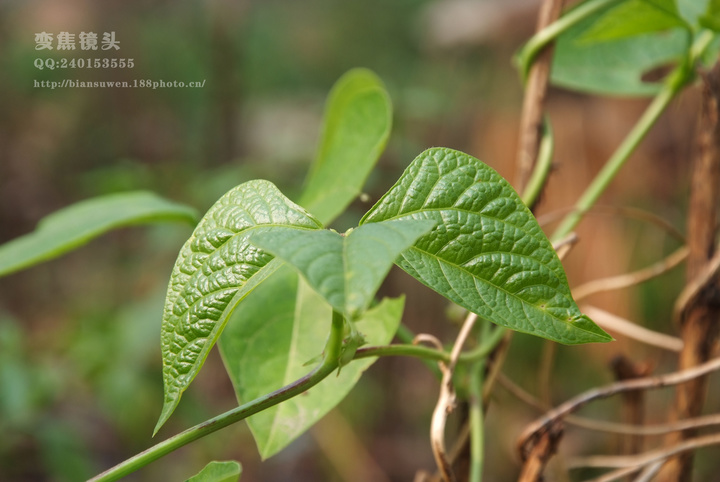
(630, 279)
(563, 247)
(532, 112)
(610, 427)
(536, 458)
(633, 402)
(649, 472)
(694, 289)
(633, 463)
(542, 424)
(632, 330)
(700, 305)
(427, 338)
(446, 402)
(628, 212)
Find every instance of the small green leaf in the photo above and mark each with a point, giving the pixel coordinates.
(487, 252)
(345, 270)
(614, 67)
(358, 118)
(272, 334)
(217, 267)
(218, 472)
(635, 17)
(78, 224)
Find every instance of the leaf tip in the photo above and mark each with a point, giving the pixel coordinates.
(594, 332)
(168, 409)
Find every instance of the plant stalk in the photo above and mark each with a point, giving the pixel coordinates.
(532, 48)
(676, 80)
(539, 175)
(616, 162)
(476, 421)
(328, 365)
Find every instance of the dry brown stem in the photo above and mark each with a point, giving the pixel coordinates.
(631, 279)
(634, 401)
(610, 427)
(614, 323)
(699, 318)
(535, 89)
(446, 403)
(628, 212)
(542, 424)
(630, 464)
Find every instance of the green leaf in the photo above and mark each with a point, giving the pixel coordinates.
(78, 224)
(635, 17)
(487, 252)
(614, 67)
(273, 334)
(358, 118)
(691, 10)
(711, 18)
(218, 472)
(345, 270)
(217, 267)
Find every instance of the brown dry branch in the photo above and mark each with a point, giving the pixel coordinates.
(694, 290)
(446, 402)
(627, 212)
(542, 425)
(532, 111)
(563, 247)
(627, 328)
(633, 402)
(649, 472)
(630, 464)
(536, 458)
(631, 279)
(609, 427)
(529, 149)
(428, 338)
(699, 319)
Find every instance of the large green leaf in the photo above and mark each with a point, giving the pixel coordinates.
(218, 472)
(282, 325)
(487, 252)
(76, 225)
(635, 17)
(358, 118)
(614, 67)
(691, 10)
(217, 267)
(345, 270)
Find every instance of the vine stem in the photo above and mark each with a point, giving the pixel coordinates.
(476, 421)
(540, 173)
(532, 48)
(616, 162)
(680, 77)
(328, 365)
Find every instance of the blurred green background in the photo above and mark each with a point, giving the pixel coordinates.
(80, 368)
